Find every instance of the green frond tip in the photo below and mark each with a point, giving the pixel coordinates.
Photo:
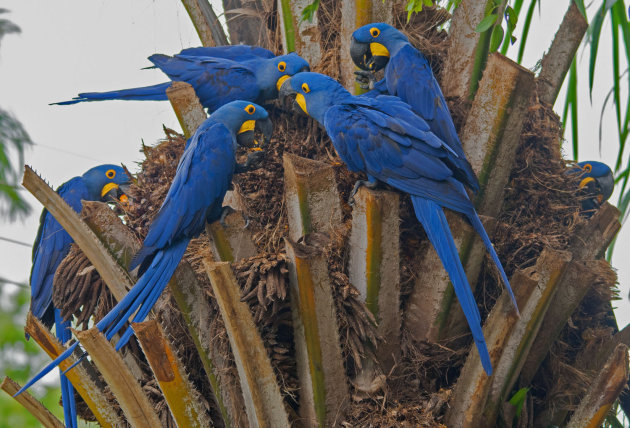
(416, 6)
(582, 9)
(518, 400)
(309, 11)
(486, 23)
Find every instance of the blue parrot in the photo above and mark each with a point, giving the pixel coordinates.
(598, 180)
(195, 197)
(51, 246)
(408, 76)
(218, 75)
(384, 138)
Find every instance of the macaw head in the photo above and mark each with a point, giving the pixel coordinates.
(372, 45)
(276, 70)
(244, 119)
(314, 93)
(106, 182)
(598, 178)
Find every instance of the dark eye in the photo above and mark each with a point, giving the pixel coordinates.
(250, 109)
(587, 167)
(282, 66)
(375, 31)
(305, 88)
(110, 174)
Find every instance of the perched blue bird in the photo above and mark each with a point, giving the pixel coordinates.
(408, 76)
(598, 180)
(195, 197)
(218, 75)
(51, 247)
(384, 138)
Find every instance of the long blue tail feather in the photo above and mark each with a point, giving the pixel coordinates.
(43, 372)
(142, 296)
(157, 275)
(435, 225)
(67, 390)
(145, 93)
(478, 226)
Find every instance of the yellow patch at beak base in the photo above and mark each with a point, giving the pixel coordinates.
(248, 125)
(378, 49)
(585, 181)
(299, 98)
(108, 188)
(281, 80)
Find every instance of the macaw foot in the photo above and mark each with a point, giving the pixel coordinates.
(253, 160)
(369, 184)
(226, 211)
(365, 79)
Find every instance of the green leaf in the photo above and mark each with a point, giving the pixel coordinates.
(518, 400)
(580, 6)
(570, 103)
(416, 6)
(496, 38)
(595, 30)
(526, 25)
(486, 23)
(309, 11)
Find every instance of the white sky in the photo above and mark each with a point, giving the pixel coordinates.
(71, 46)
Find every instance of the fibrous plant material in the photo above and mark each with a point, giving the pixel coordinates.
(263, 402)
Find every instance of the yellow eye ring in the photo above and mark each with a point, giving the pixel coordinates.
(250, 109)
(374, 32)
(587, 167)
(305, 88)
(110, 174)
(282, 66)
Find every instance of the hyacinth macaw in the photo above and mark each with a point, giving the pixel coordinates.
(598, 179)
(195, 197)
(384, 138)
(218, 75)
(51, 246)
(408, 75)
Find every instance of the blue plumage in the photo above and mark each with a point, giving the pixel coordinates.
(408, 75)
(51, 246)
(382, 137)
(195, 197)
(219, 75)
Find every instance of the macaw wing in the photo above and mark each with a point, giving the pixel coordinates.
(216, 81)
(231, 52)
(410, 77)
(196, 194)
(51, 246)
(383, 146)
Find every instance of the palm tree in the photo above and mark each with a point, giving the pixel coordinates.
(324, 314)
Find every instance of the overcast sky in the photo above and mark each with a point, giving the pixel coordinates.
(71, 46)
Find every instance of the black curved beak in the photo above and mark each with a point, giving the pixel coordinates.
(286, 90)
(360, 52)
(606, 186)
(248, 138)
(265, 127)
(363, 57)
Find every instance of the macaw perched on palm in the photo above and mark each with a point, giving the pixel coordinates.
(598, 180)
(384, 138)
(219, 75)
(195, 197)
(408, 76)
(51, 246)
